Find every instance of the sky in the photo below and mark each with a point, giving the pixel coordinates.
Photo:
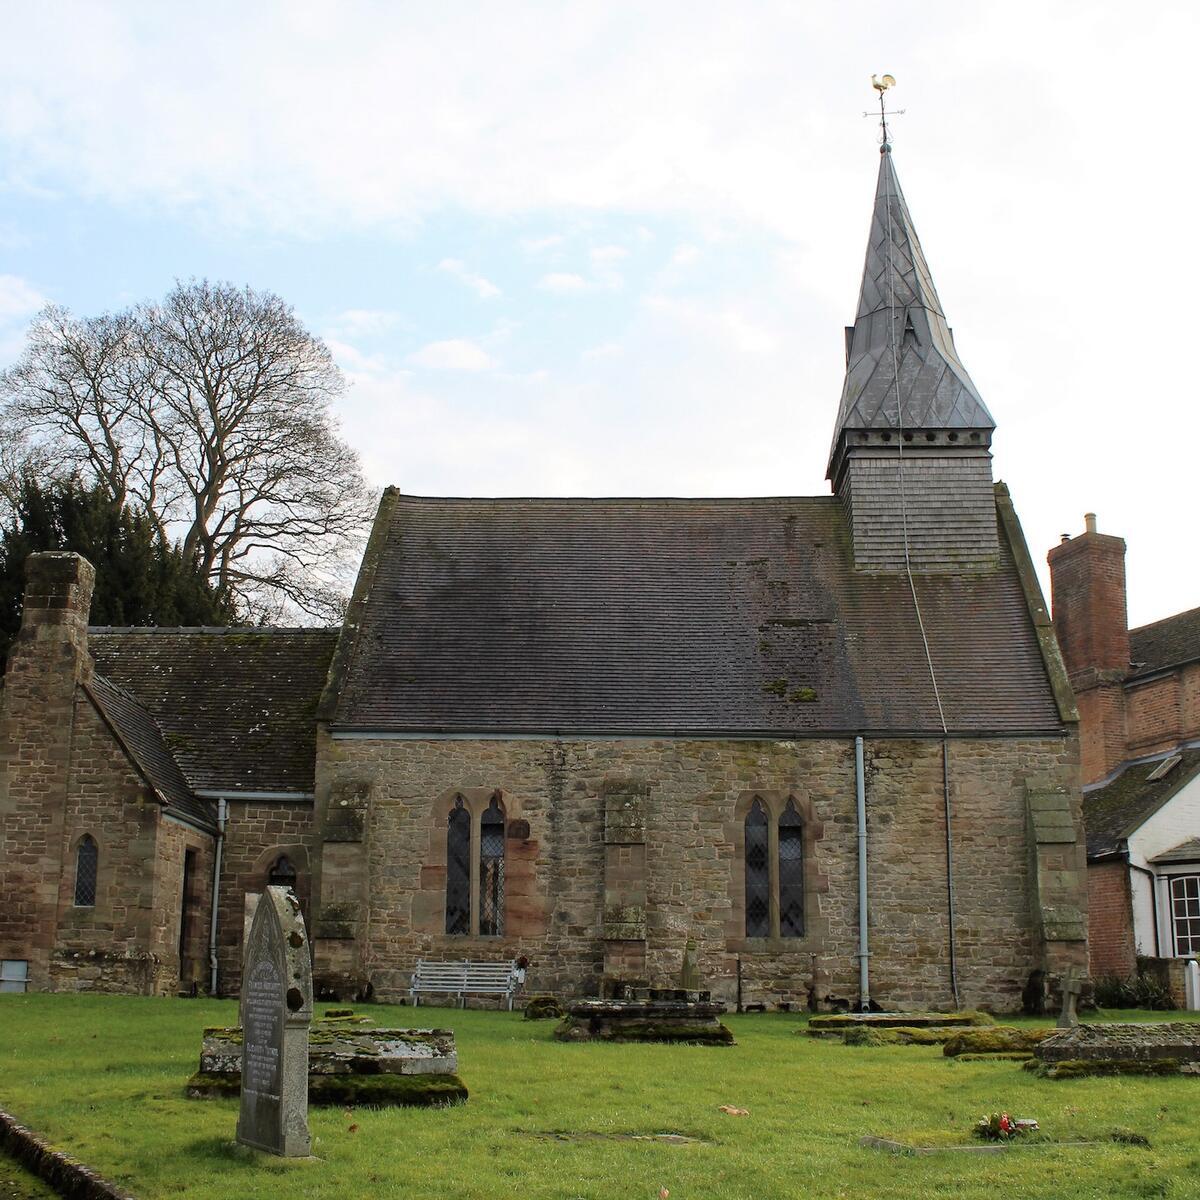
(610, 248)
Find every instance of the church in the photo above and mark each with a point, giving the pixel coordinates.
(827, 739)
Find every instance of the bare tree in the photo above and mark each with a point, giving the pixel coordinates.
(210, 410)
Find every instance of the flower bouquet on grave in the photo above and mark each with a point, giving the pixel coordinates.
(1000, 1127)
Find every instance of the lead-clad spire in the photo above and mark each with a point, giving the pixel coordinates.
(900, 330)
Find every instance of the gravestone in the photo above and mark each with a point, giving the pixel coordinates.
(276, 1009)
(1071, 989)
(689, 975)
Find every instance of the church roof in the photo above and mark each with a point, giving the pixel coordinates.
(143, 741)
(898, 305)
(691, 617)
(236, 707)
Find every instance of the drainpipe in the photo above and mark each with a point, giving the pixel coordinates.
(1153, 900)
(222, 813)
(864, 952)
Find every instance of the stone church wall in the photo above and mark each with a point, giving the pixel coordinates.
(257, 832)
(385, 880)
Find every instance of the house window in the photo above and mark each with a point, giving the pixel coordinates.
(14, 975)
(491, 870)
(758, 872)
(458, 869)
(86, 867)
(1185, 912)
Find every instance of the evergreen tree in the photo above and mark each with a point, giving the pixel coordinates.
(141, 579)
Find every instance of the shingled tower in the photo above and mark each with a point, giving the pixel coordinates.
(910, 458)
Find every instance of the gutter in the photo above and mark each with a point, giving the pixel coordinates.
(864, 947)
(222, 815)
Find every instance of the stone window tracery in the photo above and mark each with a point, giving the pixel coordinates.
(775, 847)
(791, 872)
(87, 869)
(475, 864)
(758, 875)
(458, 869)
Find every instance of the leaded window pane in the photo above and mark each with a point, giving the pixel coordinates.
(283, 873)
(791, 873)
(758, 880)
(1185, 909)
(458, 869)
(86, 869)
(491, 871)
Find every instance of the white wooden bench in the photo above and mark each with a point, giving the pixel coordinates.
(463, 978)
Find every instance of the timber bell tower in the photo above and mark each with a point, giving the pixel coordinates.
(910, 459)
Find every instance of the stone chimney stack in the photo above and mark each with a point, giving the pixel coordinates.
(48, 660)
(1087, 588)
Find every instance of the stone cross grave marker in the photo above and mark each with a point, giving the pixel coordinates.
(1071, 988)
(276, 1010)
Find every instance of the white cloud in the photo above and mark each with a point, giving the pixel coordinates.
(365, 322)
(563, 283)
(485, 289)
(684, 255)
(728, 323)
(604, 350)
(454, 354)
(536, 245)
(608, 254)
(18, 299)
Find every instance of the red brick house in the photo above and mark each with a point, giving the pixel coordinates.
(1138, 692)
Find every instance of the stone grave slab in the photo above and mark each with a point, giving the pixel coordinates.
(665, 1015)
(1152, 1048)
(350, 1061)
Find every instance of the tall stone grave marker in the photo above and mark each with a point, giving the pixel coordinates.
(276, 1010)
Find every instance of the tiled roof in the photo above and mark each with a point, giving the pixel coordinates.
(898, 305)
(1166, 643)
(143, 739)
(1185, 852)
(740, 617)
(237, 707)
(1111, 813)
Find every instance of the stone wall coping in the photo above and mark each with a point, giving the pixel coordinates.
(66, 1175)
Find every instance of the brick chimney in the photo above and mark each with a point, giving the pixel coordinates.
(47, 661)
(1087, 589)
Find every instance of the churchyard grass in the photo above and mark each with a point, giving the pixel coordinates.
(102, 1078)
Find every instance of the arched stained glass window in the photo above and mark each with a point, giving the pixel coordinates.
(491, 870)
(758, 876)
(283, 873)
(87, 866)
(458, 869)
(791, 872)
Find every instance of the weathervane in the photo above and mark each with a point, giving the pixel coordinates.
(881, 86)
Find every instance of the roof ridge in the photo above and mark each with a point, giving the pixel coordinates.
(777, 499)
(1187, 612)
(212, 629)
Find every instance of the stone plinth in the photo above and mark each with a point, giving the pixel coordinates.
(836, 1024)
(349, 1061)
(1159, 1048)
(663, 1016)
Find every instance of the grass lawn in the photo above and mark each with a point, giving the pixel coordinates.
(102, 1078)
